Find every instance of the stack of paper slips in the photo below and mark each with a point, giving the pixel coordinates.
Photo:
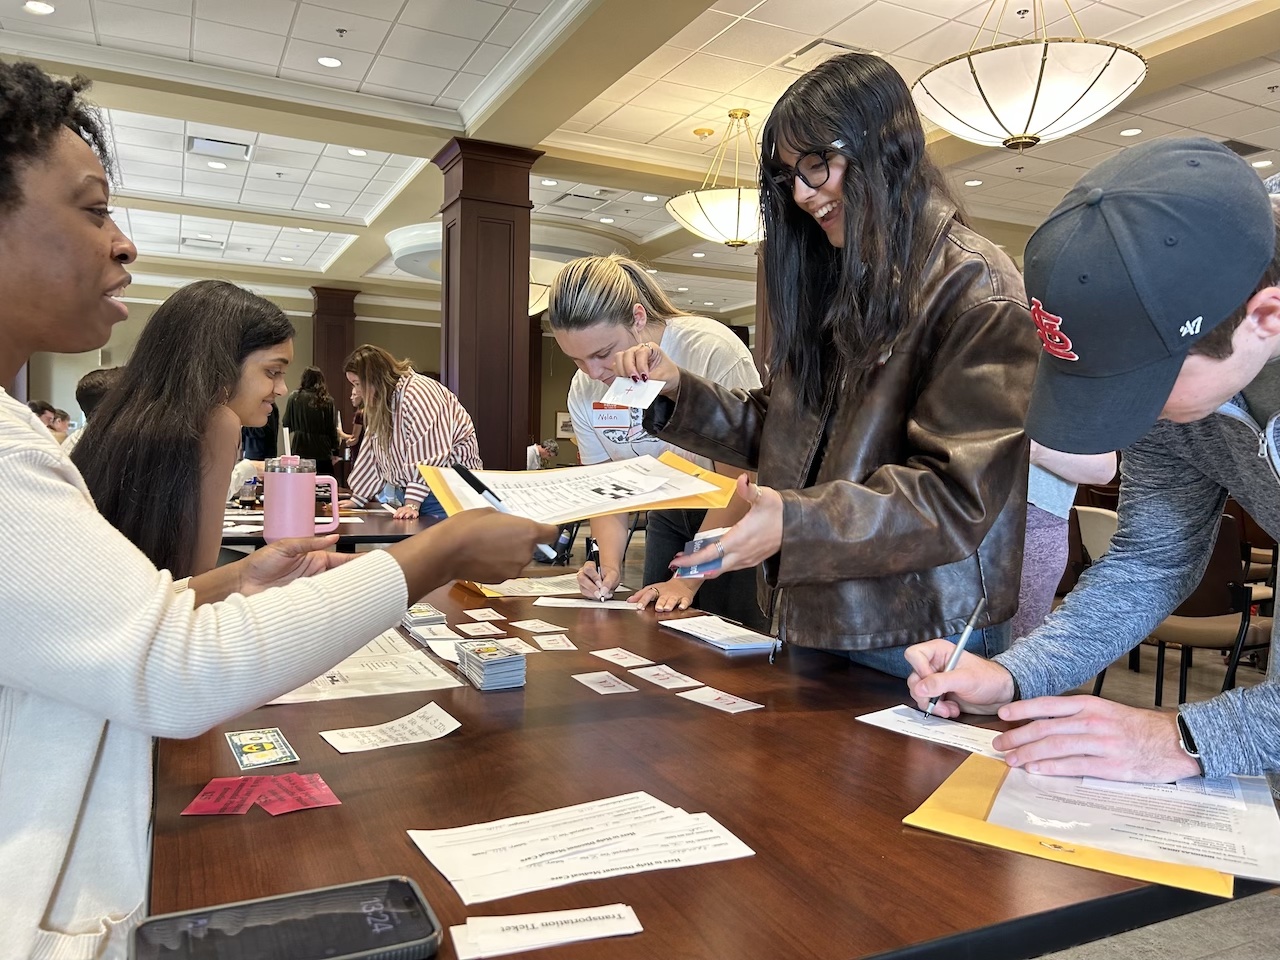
(421, 614)
(489, 664)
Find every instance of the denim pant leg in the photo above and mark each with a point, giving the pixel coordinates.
(986, 642)
(391, 495)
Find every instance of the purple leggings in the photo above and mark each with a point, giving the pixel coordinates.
(1044, 557)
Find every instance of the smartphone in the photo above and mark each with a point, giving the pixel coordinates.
(383, 919)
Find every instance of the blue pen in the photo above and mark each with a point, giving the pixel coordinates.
(955, 654)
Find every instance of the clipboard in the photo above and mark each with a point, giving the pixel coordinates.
(435, 478)
(960, 806)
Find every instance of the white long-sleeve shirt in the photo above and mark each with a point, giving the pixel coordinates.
(99, 653)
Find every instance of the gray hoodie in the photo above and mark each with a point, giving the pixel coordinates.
(1174, 483)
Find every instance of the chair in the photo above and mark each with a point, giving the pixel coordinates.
(1259, 552)
(1097, 527)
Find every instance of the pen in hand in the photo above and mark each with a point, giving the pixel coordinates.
(593, 556)
(960, 645)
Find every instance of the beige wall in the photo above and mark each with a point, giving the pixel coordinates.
(414, 341)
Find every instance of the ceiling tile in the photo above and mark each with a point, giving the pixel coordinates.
(462, 18)
(413, 77)
(275, 142)
(813, 17)
(426, 46)
(213, 177)
(141, 184)
(463, 85)
(223, 39)
(1194, 110)
(1261, 89)
(1242, 125)
(448, 102)
(49, 30)
(348, 167)
(1072, 149)
(374, 158)
(321, 25)
(1108, 131)
(485, 58)
(212, 191)
(131, 169)
(302, 55)
(268, 198)
(322, 179)
(949, 39)
(643, 120)
(275, 157)
(673, 97)
(233, 63)
(533, 6)
(884, 27)
(149, 138)
(168, 6)
(1142, 103)
(625, 87)
(171, 51)
(326, 79)
(769, 85)
(382, 9)
(268, 16)
(512, 27)
(596, 111)
(735, 6)
(753, 42)
(1235, 74)
(67, 15)
(119, 21)
(712, 73)
(659, 62)
(701, 29)
(277, 188)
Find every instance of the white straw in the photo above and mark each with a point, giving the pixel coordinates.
(287, 451)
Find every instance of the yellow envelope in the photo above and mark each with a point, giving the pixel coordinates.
(720, 497)
(960, 806)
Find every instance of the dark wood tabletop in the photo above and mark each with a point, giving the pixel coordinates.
(817, 795)
(379, 526)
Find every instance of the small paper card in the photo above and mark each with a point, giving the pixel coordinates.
(295, 791)
(664, 676)
(700, 570)
(537, 626)
(720, 700)
(625, 392)
(482, 937)
(481, 629)
(260, 748)
(432, 631)
(225, 795)
(484, 613)
(554, 641)
(604, 682)
(623, 658)
(429, 723)
(444, 649)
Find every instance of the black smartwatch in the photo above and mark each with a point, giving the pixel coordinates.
(1188, 743)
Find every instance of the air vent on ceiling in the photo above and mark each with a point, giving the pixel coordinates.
(1242, 148)
(572, 201)
(203, 244)
(816, 51)
(220, 149)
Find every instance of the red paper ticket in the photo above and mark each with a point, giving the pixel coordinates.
(226, 795)
(295, 791)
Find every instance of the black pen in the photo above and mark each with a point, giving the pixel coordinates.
(476, 484)
(593, 556)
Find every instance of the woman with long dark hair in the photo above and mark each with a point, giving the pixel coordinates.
(210, 360)
(889, 442)
(311, 418)
(409, 419)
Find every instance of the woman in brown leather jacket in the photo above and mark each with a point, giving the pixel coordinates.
(888, 438)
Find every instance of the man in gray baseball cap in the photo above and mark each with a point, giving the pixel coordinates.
(1155, 289)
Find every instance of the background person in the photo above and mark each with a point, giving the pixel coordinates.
(889, 440)
(92, 673)
(90, 389)
(540, 454)
(311, 417)
(597, 306)
(1156, 286)
(44, 410)
(60, 425)
(408, 419)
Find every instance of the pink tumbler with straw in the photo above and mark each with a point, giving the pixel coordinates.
(289, 499)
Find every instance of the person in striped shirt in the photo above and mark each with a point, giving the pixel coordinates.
(408, 419)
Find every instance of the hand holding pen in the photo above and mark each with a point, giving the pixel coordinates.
(959, 650)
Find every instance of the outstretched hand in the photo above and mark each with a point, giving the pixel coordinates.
(752, 540)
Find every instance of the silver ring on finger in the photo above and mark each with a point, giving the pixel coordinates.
(720, 549)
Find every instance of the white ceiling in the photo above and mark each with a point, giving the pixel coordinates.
(612, 211)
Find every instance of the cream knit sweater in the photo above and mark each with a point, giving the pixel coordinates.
(100, 652)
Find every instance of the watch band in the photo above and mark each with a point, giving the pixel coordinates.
(1188, 743)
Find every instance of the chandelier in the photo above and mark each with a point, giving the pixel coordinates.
(724, 214)
(1022, 92)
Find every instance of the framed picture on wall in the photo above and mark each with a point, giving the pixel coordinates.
(564, 425)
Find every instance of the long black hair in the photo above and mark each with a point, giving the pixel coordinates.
(839, 308)
(313, 382)
(142, 459)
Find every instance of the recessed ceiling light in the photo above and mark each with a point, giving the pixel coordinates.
(682, 289)
(606, 219)
(305, 230)
(217, 165)
(550, 183)
(651, 270)
(650, 198)
(38, 8)
(205, 236)
(708, 303)
(699, 254)
(322, 206)
(973, 183)
(1261, 163)
(287, 259)
(330, 62)
(356, 152)
(1131, 132)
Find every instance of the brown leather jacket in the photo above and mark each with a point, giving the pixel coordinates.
(902, 507)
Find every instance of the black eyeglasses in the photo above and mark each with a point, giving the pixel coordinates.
(813, 168)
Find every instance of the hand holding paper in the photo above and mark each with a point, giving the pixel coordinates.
(750, 541)
(646, 361)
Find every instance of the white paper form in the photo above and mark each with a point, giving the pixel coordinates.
(913, 723)
(718, 699)
(559, 496)
(625, 834)
(664, 676)
(481, 629)
(483, 613)
(483, 937)
(555, 641)
(727, 636)
(387, 664)
(429, 723)
(535, 586)
(537, 626)
(444, 649)
(604, 682)
(1229, 825)
(582, 603)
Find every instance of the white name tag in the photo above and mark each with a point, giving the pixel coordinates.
(604, 415)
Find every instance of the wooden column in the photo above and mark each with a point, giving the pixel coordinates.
(334, 337)
(764, 335)
(484, 309)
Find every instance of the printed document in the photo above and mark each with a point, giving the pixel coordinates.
(914, 723)
(387, 664)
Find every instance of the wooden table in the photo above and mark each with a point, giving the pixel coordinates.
(818, 796)
(379, 527)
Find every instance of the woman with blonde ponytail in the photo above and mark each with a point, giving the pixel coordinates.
(598, 307)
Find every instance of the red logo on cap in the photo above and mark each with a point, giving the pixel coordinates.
(1056, 343)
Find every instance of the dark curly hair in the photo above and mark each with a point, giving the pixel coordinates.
(34, 107)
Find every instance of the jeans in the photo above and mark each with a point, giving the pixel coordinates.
(393, 496)
(986, 642)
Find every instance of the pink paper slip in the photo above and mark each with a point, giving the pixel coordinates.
(295, 791)
(225, 795)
